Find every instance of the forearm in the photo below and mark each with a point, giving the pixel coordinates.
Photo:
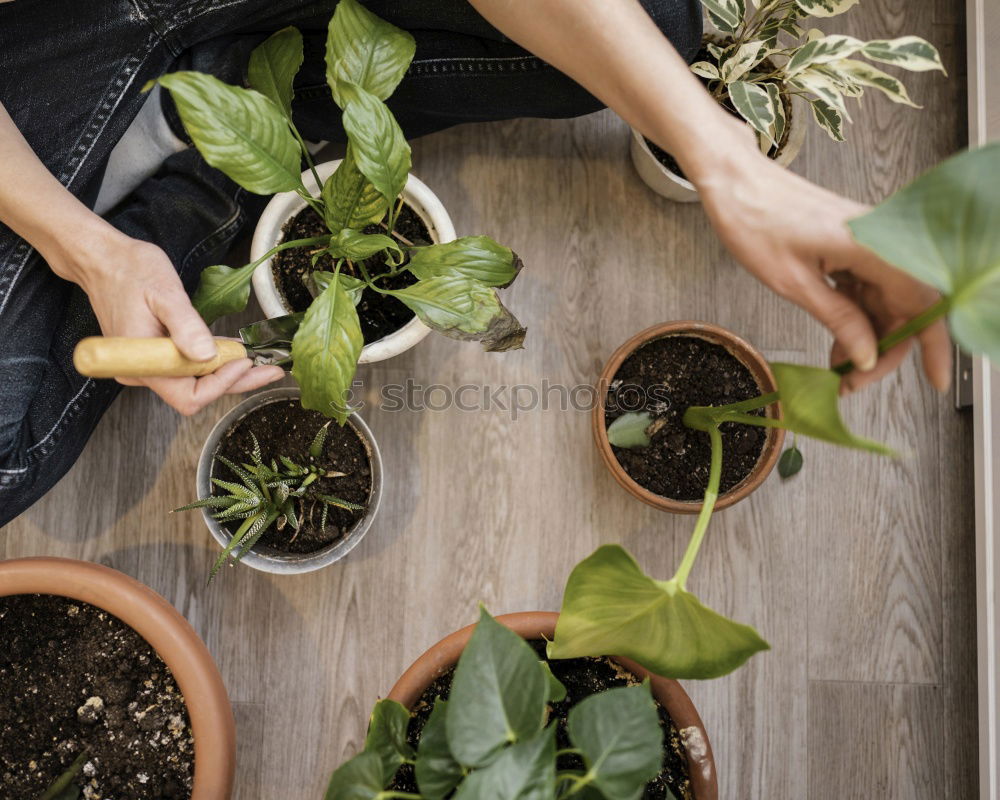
(614, 50)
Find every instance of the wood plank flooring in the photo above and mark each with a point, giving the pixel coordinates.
(859, 572)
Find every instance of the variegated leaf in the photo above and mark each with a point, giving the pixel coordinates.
(705, 69)
(825, 8)
(778, 109)
(726, 15)
(822, 51)
(746, 57)
(828, 118)
(908, 52)
(753, 104)
(825, 89)
(867, 75)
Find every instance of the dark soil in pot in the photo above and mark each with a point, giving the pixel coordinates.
(665, 377)
(380, 315)
(75, 679)
(582, 677)
(284, 428)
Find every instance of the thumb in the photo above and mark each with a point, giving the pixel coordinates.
(186, 327)
(849, 325)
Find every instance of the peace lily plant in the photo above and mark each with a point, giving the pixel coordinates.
(249, 134)
(756, 73)
(941, 229)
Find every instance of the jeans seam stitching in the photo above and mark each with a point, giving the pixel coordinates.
(205, 243)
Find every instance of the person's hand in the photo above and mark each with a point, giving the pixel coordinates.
(793, 236)
(135, 291)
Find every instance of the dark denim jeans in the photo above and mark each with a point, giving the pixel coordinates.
(70, 77)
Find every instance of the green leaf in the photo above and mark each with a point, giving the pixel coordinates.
(557, 692)
(349, 198)
(365, 50)
(754, 105)
(942, 229)
(273, 65)
(387, 737)
(357, 246)
(822, 50)
(62, 788)
(777, 109)
(618, 731)
(908, 52)
(463, 308)
(436, 769)
(726, 15)
(476, 257)
(611, 608)
(742, 60)
(790, 462)
(828, 118)
(809, 406)
(222, 290)
(360, 778)
(630, 430)
(354, 287)
(524, 771)
(498, 694)
(316, 446)
(825, 8)
(381, 151)
(238, 131)
(325, 353)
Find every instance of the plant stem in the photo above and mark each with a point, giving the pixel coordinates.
(711, 495)
(308, 156)
(386, 795)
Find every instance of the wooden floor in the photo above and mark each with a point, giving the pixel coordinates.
(859, 572)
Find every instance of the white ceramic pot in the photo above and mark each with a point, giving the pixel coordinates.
(672, 186)
(286, 205)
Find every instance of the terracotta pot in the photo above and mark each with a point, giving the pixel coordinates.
(542, 624)
(742, 350)
(167, 632)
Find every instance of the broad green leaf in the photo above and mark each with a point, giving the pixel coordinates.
(273, 65)
(726, 15)
(828, 118)
(754, 105)
(943, 229)
(360, 778)
(618, 731)
(630, 430)
(867, 75)
(357, 246)
(705, 69)
(387, 737)
(436, 769)
(349, 198)
(365, 50)
(557, 692)
(822, 51)
(238, 131)
(498, 694)
(524, 771)
(377, 142)
(790, 462)
(354, 287)
(222, 290)
(476, 257)
(908, 52)
(611, 608)
(463, 308)
(809, 406)
(825, 8)
(745, 58)
(325, 353)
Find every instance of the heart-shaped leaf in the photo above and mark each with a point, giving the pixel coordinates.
(238, 131)
(273, 65)
(436, 769)
(790, 462)
(349, 198)
(325, 352)
(942, 229)
(618, 732)
(524, 771)
(463, 308)
(360, 778)
(610, 607)
(498, 694)
(222, 290)
(377, 142)
(476, 257)
(387, 737)
(365, 50)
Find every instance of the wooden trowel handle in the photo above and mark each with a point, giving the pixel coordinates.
(121, 357)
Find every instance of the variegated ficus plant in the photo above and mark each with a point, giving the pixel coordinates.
(941, 229)
(764, 57)
(249, 134)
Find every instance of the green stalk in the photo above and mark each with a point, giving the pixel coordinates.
(308, 157)
(711, 495)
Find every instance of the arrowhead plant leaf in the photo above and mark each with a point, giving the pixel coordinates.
(437, 771)
(524, 771)
(360, 778)
(387, 737)
(557, 691)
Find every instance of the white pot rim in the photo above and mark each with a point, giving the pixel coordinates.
(287, 204)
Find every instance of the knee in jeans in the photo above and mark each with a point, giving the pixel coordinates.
(680, 21)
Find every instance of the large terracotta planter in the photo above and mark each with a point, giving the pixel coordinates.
(747, 355)
(542, 624)
(167, 632)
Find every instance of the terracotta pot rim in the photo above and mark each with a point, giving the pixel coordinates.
(542, 624)
(740, 349)
(167, 632)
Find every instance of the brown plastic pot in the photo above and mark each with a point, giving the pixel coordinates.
(542, 625)
(168, 633)
(743, 351)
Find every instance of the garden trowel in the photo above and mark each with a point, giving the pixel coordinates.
(268, 342)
